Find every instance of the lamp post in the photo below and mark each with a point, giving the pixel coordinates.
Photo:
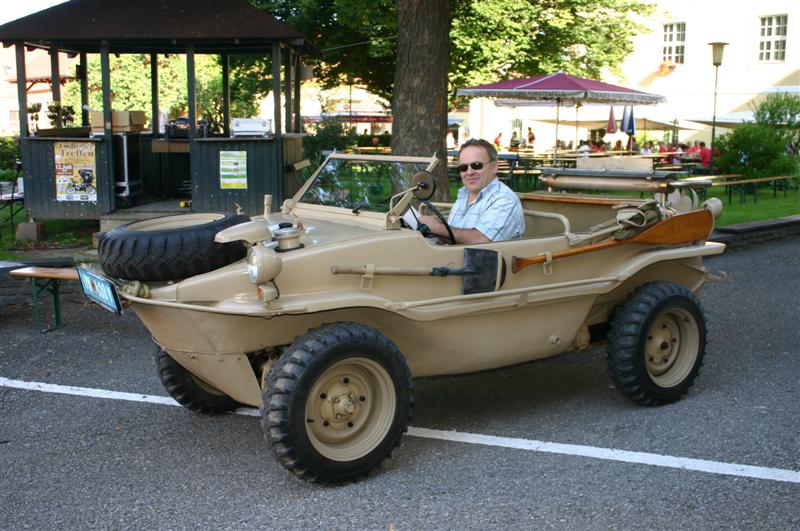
(716, 58)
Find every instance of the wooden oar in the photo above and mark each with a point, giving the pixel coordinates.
(683, 228)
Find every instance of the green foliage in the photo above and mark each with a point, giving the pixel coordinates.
(489, 40)
(755, 150)
(130, 85)
(382, 140)
(357, 38)
(9, 154)
(779, 110)
(503, 39)
(782, 112)
(329, 136)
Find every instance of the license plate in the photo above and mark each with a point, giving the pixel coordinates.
(100, 290)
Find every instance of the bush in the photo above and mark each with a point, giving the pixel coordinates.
(9, 153)
(381, 140)
(755, 150)
(329, 135)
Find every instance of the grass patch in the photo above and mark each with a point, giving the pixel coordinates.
(58, 233)
(767, 207)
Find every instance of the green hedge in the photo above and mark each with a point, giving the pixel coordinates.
(9, 154)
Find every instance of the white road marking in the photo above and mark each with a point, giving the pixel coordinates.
(607, 454)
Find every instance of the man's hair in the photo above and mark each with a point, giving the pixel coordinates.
(702, 144)
(479, 142)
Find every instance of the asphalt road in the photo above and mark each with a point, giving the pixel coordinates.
(80, 462)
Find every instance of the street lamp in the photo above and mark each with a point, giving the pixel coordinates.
(716, 58)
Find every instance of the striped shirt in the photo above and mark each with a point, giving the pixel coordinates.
(497, 213)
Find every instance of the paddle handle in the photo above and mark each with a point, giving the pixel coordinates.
(519, 263)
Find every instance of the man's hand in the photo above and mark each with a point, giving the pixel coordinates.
(462, 235)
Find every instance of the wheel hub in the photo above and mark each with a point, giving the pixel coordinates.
(662, 345)
(340, 404)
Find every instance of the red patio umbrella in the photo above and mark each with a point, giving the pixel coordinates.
(560, 88)
(611, 127)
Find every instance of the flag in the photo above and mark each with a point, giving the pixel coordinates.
(612, 123)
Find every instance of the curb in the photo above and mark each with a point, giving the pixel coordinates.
(744, 234)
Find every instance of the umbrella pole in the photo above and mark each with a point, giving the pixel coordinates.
(558, 116)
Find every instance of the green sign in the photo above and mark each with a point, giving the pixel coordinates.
(233, 170)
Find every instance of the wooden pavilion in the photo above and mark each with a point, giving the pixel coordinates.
(62, 166)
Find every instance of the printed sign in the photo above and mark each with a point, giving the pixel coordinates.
(233, 170)
(76, 178)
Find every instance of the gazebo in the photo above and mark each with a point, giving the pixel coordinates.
(63, 166)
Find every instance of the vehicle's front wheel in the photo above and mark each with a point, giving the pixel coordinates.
(657, 343)
(337, 402)
(190, 391)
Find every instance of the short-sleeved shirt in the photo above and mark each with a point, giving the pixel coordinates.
(496, 213)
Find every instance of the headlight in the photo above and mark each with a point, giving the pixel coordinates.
(263, 264)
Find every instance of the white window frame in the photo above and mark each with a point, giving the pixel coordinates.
(772, 38)
(673, 49)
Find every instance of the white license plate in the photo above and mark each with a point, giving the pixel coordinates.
(100, 290)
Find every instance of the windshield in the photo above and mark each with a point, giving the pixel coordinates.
(360, 183)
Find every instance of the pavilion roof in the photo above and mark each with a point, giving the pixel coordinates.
(138, 26)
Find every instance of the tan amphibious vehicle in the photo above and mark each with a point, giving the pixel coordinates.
(320, 314)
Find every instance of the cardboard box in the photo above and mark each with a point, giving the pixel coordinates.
(121, 121)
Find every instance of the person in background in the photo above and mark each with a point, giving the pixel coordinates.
(451, 140)
(694, 151)
(498, 140)
(662, 148)
(514, 140)
(617, 146)
(705, 155)
(485, 209)
(647, 148)
(531, 137)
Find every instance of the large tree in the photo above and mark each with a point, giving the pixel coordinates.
(419, 104)
(417, 52)
(490, 40)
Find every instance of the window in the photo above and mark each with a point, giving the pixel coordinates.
(674, 42)
(772, 42)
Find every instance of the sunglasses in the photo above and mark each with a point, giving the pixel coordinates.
(477, 165)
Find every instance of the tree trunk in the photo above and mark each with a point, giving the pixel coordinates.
(419, 103)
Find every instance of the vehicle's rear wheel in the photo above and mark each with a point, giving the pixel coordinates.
(657, 343)
(337, 403)
(190, 391)
(169, 247)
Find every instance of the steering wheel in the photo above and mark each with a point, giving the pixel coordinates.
(425, 184)
(442, 219)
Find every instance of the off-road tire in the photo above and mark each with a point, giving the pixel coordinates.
(169, 247)
(657, 343)
(189, 391)
(365, 372)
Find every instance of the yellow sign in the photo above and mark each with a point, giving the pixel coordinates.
(76, 170)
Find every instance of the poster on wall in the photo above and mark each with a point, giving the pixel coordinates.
(76, 178)
(233, 170)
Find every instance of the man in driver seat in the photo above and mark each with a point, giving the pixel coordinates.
(485, 209)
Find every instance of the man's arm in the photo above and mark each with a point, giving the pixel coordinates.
(461, 235)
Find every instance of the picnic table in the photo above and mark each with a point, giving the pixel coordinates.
(732, 181)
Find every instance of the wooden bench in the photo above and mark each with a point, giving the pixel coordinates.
(46, 280)
(745, 184)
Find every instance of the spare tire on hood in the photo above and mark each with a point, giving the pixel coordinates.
(169, 247)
